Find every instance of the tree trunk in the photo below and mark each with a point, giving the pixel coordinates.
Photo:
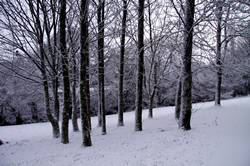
(151, 104)
(65, 71)
(178, 100)
(153, 66)
(121, 76)
(88, 93)
(52, 120)
(101, 90)
(140, 68)
(55, 82)
(186, 94)
(152, 96)
(219, 5)
(84, 82)
(74, 98)
(74, 73)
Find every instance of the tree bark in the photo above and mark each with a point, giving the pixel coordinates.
(178, 100)
(219, 5)
(186, 94)
(121, 76)
(65, 71)
(140, 68)
(101, 89)
(74, 98)
(74, 73)
(153, 66)
(152, 95)
(55, 82)
(52, 120)
(84, 82)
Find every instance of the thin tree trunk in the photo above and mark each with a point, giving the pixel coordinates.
(140, 68)
(121, 76)
(186, 94)
(151, 105)
(74, 74)
(152, 96)
(52, 120)
(65, 71)
(74, 98)
(219, 4)
(55, 81)
(153, 65)
(88, 94)
(100, 14)
(84, 82)
(178, 100)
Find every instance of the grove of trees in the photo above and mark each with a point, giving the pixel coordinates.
(100, 57)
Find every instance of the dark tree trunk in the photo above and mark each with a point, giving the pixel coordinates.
(65, 71)
(219, 5)
(101, 89)
(140, 68)
(121, 76)
(186, 94)
(84, 82)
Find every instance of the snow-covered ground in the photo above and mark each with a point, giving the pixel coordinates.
(220, 136)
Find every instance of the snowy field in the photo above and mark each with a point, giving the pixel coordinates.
(220, 136)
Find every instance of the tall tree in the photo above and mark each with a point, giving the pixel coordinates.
(101, 89)
(74, 74)
(219, 6)
(186, 94)
(121, 72)
(67, 103)
(140, 67)
(84, 69)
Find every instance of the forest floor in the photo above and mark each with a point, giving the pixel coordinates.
(219, 136)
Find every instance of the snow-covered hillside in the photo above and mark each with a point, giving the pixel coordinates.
(220, 136)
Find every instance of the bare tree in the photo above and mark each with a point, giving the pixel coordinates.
(121, 72)
(84, 69)
(101, 89)
(219, 6)
(27, 29)
(65, 71)
(140, 67)
(186, 94)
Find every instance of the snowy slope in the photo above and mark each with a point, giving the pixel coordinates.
(220, 136)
